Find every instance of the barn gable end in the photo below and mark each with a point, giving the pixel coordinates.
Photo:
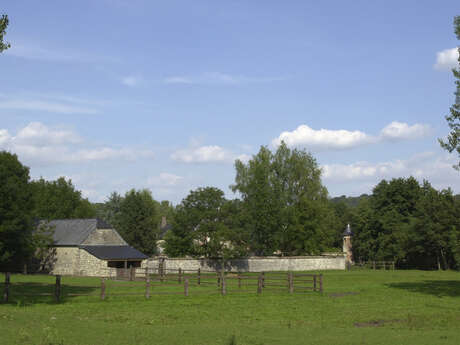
(89, 247)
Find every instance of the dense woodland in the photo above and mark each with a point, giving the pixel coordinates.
(283, 209)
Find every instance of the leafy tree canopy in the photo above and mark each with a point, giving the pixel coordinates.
(3, 25)
(59, 200)
(138, 220)
(15, 209)
(452, 143)
(286, 202)
(199, 226)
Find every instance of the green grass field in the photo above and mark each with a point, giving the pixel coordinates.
(357, 307)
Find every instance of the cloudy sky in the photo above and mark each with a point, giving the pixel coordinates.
(165, 95)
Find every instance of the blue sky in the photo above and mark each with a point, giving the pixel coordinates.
(119, 94)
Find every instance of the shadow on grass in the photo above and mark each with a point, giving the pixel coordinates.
(27, 293)
(440, 288)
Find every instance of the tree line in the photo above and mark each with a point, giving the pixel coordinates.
(410, 223)
(282, 209)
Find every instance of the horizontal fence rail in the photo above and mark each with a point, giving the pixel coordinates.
(148, 282)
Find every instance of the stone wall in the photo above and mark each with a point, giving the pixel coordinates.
(256, 264)
(104, 237)
(65, 260)
(76, 261)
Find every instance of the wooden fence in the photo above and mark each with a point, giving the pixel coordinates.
(148, 282)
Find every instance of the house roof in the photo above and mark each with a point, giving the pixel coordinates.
(72, 232)
(115, 252)
(348, 231)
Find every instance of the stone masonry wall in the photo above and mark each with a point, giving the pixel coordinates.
(104, 237)
(256, 264)
(65, 260)
(76, 261)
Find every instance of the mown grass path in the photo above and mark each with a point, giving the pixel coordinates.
(357, 307)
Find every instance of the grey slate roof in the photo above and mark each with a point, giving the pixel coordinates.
(72, 232)
(348, 231)
(115, 252)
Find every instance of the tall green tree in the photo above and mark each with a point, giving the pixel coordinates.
(199, 227)
(15, 210)
(3, 25)
(253, 181)
(434, 239)
(110, 211)
(59, 200)
(382, 224)
(286, 202)
(453, 119)
(138, 220)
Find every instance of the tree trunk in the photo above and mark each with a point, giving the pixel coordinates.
(443, 256)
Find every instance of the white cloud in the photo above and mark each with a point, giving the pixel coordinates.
(131, 81)
(42, 103)
(401, 130)
(447, 59)
(165, 179)
(244, 157)
(323, 138)
(207, 154)
(202, 154)
(45, 145)
(327, 139)
(38, 134)
(217, 78)
(436, 168)
(33, 51)
(5, 137)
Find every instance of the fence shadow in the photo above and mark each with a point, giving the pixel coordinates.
(27, 293)
(439, 288)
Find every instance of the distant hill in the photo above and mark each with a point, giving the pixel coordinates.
(351, 201)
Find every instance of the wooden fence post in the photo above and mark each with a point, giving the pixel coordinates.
(393, 265)
(259, 284)
(132, 273)
(147, 285)
(186, 286)
(239, 279)
(263, 279)
(6, 292)
(314, 282)
(102, 288)
(161, 269)
(179, 278)
(384, 265)
(291, 282)
(373, 264)
(218, 279)
(57, 288)
(199, 276)
(223, 286)
(321, 283)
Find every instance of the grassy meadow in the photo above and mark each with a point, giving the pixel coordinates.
(356, 307)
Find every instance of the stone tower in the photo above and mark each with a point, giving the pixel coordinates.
(347, 247)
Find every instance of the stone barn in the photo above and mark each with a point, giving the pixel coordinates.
(89, 247)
